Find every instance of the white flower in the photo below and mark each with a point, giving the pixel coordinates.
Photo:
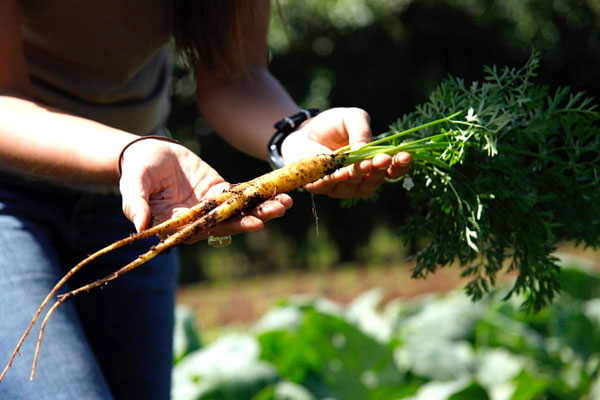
(408, 183)
(471, 116)
(463, 135)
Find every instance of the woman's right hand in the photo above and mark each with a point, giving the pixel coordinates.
(161, 180)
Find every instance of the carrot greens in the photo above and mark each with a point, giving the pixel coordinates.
(496, 187)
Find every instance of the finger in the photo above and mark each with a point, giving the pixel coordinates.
(235, 226)
(380, 165)
(273, 208)
(138, 211)
(322, 186)
(135, 203)
(346, 189)
(360, 179)
(340, 175)
(217, 189)
(400, 166)
(349, 181)
(376, 177)
(254, 218)
(353, 172)
(342, 182)
(357, 124)
(295, 147)
(382, 162)
(250, 221)
(213, 190)
(360, 169)
(334, 188)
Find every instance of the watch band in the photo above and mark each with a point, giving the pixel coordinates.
(283, 128)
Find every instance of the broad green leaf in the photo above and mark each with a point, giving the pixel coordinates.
(529, 388)
(579, 283)
(472, 392)
(496, 330)
(329, 355)
(576, 332)
(394, 391)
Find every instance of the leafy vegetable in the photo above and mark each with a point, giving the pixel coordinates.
(435, 347)
(496, 187)
(228, 369)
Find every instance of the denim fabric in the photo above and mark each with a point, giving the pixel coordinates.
(113, 342)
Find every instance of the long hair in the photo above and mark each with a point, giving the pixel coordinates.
(215, 34)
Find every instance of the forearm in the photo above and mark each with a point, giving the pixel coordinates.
(243, 112)
(49, 144)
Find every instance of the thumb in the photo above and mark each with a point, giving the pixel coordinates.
(139, 213)
(296, 146)
(357, 124)
(136, 206)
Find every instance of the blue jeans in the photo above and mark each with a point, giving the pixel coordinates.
(113, 342)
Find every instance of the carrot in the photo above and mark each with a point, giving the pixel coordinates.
(199, 219)
(213, 210)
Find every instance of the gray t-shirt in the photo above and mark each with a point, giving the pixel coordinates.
(106, 60)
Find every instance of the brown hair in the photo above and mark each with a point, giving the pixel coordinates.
(215, 34)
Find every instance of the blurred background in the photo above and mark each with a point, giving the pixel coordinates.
(385, 56)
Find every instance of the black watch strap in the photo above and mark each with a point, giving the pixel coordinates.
(283, 129)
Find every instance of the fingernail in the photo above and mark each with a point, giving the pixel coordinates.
(403, 158)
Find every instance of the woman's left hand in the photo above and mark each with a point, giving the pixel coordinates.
(162, 180)
(336, 128)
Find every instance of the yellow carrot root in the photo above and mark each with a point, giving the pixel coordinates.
(199, 219)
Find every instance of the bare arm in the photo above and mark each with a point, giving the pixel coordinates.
(244, 111)
(36, 139)
(159, 179)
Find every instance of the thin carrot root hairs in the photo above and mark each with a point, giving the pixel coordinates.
(200, 209)
(199, 219)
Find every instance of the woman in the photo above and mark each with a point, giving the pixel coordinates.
(79, 82)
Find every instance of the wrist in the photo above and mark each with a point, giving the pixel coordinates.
(119, 166)
(283, 128)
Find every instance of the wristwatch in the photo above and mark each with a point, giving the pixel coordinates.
(283, 129)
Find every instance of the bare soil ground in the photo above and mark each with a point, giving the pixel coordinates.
(242, 302)
(239, 303)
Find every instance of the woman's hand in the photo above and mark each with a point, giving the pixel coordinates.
(336, 128)
(161, 180)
